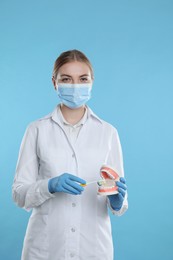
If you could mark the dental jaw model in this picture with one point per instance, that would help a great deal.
(109, 177)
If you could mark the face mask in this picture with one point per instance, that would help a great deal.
(74, 95)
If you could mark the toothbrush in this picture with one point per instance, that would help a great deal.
(99, 182)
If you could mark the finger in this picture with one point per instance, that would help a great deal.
(75, 178)
(123, 180)
(70, 188)
(121, 185)
(66, 191)
(74, 185)
(118, 196)
(63, 190)
(122, 192)
(121, 198)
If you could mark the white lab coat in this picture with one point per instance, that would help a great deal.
(64, 226)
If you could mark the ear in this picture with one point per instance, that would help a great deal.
(54, 83)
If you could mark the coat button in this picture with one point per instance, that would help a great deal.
(72, 254)
(73, 229)
(73, 204)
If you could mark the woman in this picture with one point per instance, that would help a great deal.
(58, 154)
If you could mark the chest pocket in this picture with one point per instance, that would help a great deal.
(53, 156)
(53, 163)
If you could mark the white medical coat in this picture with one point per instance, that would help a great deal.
(64, 226)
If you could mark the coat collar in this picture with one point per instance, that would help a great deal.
(55, 116)
(91, 113)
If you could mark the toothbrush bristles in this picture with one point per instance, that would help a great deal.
(100, 182)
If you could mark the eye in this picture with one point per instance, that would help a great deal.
(65, 79)
(84, 79)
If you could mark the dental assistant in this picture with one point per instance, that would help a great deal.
(59, 152)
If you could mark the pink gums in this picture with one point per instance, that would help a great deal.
(106, 189)
(104, 174)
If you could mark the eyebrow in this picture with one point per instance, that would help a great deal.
(70, 76)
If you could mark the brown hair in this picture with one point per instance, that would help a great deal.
(69, 56)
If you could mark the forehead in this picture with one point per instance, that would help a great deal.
(74, 68)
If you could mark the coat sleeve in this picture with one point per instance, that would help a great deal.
(27, 190)
(115, 159)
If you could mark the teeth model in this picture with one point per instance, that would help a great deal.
(109, 176)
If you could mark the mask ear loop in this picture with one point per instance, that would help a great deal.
(57, 86)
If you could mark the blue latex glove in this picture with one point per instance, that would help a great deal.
(116, 200)
(66, 183)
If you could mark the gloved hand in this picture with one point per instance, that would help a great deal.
(116, 200)
(66, 183)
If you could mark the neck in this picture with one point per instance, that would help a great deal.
(72, 116)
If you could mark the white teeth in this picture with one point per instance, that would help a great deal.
(107, 188)
(109, 183)
(110, 175)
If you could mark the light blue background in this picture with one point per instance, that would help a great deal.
(130, 44)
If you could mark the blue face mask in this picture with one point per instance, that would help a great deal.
(74, 95)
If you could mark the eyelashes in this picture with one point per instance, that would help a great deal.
(68, 79)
